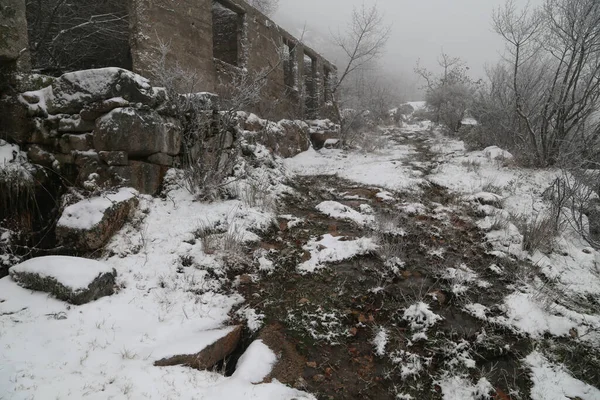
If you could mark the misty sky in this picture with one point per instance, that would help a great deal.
(420, 28)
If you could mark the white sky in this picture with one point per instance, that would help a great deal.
(420, 28)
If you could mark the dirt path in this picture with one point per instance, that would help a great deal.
(328, 319)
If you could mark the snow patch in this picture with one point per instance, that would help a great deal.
(332, 249)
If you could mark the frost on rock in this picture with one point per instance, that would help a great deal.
(72, 279)
(495, 152)
(420, 316)
(332, 249)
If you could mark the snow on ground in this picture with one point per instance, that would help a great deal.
(331, 249)
(339, 211)
(256, 363)
(105, 349)
(385, 169)
(553, 382)
(509, 193)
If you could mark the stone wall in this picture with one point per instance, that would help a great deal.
(101, 127)
(288, 83)
(185, 26)
(109, 127)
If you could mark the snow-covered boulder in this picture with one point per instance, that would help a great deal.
(72, 91)
(486, 198)
(88, 224)
(137, 132)
(72, 279)
(495, 153)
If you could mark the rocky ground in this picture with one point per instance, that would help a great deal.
(351, 321)
(396, 273)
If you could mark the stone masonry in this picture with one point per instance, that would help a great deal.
(217, 40)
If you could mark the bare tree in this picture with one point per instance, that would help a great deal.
(267, 7)
(554, 52)
(362, 42)
(67, 35)
(450, 93)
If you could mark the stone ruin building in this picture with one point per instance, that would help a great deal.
(82, 111)
(213, 39)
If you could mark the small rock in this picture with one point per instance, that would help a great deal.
(37, 155)
(439, 296)
(303, 300)
(75, 124)
(311, 364)
(318, 378)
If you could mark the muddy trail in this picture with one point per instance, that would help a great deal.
(324, 323)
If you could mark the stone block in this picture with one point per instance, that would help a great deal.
(161, 159)
(90, 223)
(72, 279)
(71, 92)
(69, 143)
(93, 111)
(114, 158)
(145, 177)
(39, 156)
(137, 132)
(75, 124)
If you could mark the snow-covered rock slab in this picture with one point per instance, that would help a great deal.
(72, 279)
(201, 351)
(90, 223)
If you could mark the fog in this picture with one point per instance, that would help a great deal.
(421, 29)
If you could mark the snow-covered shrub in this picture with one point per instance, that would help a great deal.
(539, 232)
